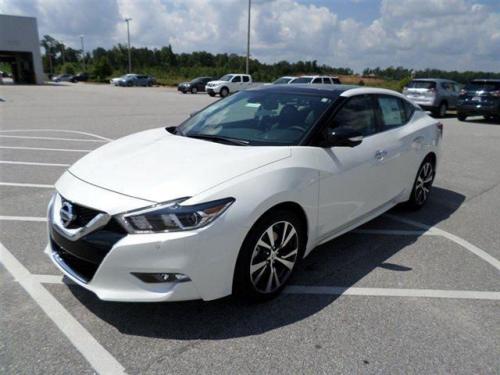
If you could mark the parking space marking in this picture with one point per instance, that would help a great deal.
(22, 218)
(391, 292)
(33, 163)
(20, 184)
(460, 241)
(51, 279)
(396, 232)
(98, 357)
(42, 149)
(57, 130)
(52, 138)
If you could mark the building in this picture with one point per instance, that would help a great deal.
(20, 47)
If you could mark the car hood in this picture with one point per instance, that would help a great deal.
(157, 166)
(216, 83)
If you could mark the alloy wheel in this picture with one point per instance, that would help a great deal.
(424, 183)
(274, 257)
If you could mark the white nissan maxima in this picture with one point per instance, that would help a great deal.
(232, 199)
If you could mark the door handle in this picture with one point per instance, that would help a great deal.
(380, 155)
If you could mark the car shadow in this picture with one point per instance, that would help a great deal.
(481, 120)
(342, 262)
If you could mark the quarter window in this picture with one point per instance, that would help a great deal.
(392, 110)
(357, 114)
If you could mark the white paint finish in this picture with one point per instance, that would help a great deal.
(42, 149)
(460, 241)
(22, 218)
(53, 138)
(57, 130)
(33, 163)
(20, 184)
(97, 356)
(391, 292)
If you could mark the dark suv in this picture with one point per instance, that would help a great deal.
(480, 97)
(197, 84)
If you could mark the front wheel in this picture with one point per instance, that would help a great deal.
(461, 117)
(269, 255)
(422, 185)
(211, 93)
(224, 92)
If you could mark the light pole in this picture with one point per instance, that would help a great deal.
(248, 37)
(83, 52)
(127, 20)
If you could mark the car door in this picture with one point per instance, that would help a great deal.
(352, 180)
(236, 83)
(246, 81)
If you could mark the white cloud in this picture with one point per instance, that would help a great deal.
(448, 34)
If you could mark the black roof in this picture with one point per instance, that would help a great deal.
(324, 90)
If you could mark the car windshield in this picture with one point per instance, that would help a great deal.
(422, 85)
(283, 80)
(482, 86)
(227, 77)
(302, 80)
(258, 118)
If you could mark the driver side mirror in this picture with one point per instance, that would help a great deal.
(343, 137)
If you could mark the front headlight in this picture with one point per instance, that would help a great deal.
(171, 216)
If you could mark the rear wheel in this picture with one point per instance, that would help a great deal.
(269, 255)
(224, 92)
(422, 185)
(441, 111)
(194, 90)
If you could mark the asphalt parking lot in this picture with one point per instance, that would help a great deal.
(409, 292)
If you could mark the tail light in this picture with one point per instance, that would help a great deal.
(440, 128)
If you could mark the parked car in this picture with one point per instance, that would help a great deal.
(133, 80)
(317, 80)
(240, 200)
(228, 84)
(284, 80)
(195, 85)
(480, 97)
(80, 77)
(63, 78)
(433, 94)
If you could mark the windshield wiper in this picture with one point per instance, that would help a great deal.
(219, 138)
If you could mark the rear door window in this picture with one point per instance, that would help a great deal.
(392, 112)
(316, 80)
(246, 79)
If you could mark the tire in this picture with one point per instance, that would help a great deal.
(184, 91)
(441, 111)
(263, 268)
(212, 94)
(461, 116)
(194, 90)
(224, 92)
(423, 185)
(489, 118)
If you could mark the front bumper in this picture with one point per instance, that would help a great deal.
(211, 91)
(207, 256)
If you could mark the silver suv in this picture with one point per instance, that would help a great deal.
(433, 94)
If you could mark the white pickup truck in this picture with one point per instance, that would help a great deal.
(229, 84)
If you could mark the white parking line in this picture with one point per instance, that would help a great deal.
(33, 163)
(97, 356)
(57, 130)
(42, 149)
(396, 232)
(50, 279)
(22, 218)
(20, 184)
(390, 292)
(460, 241)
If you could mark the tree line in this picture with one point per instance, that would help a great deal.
(170, 68)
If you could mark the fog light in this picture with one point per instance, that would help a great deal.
(161, 277)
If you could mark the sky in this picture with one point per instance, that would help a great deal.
(418, 34)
